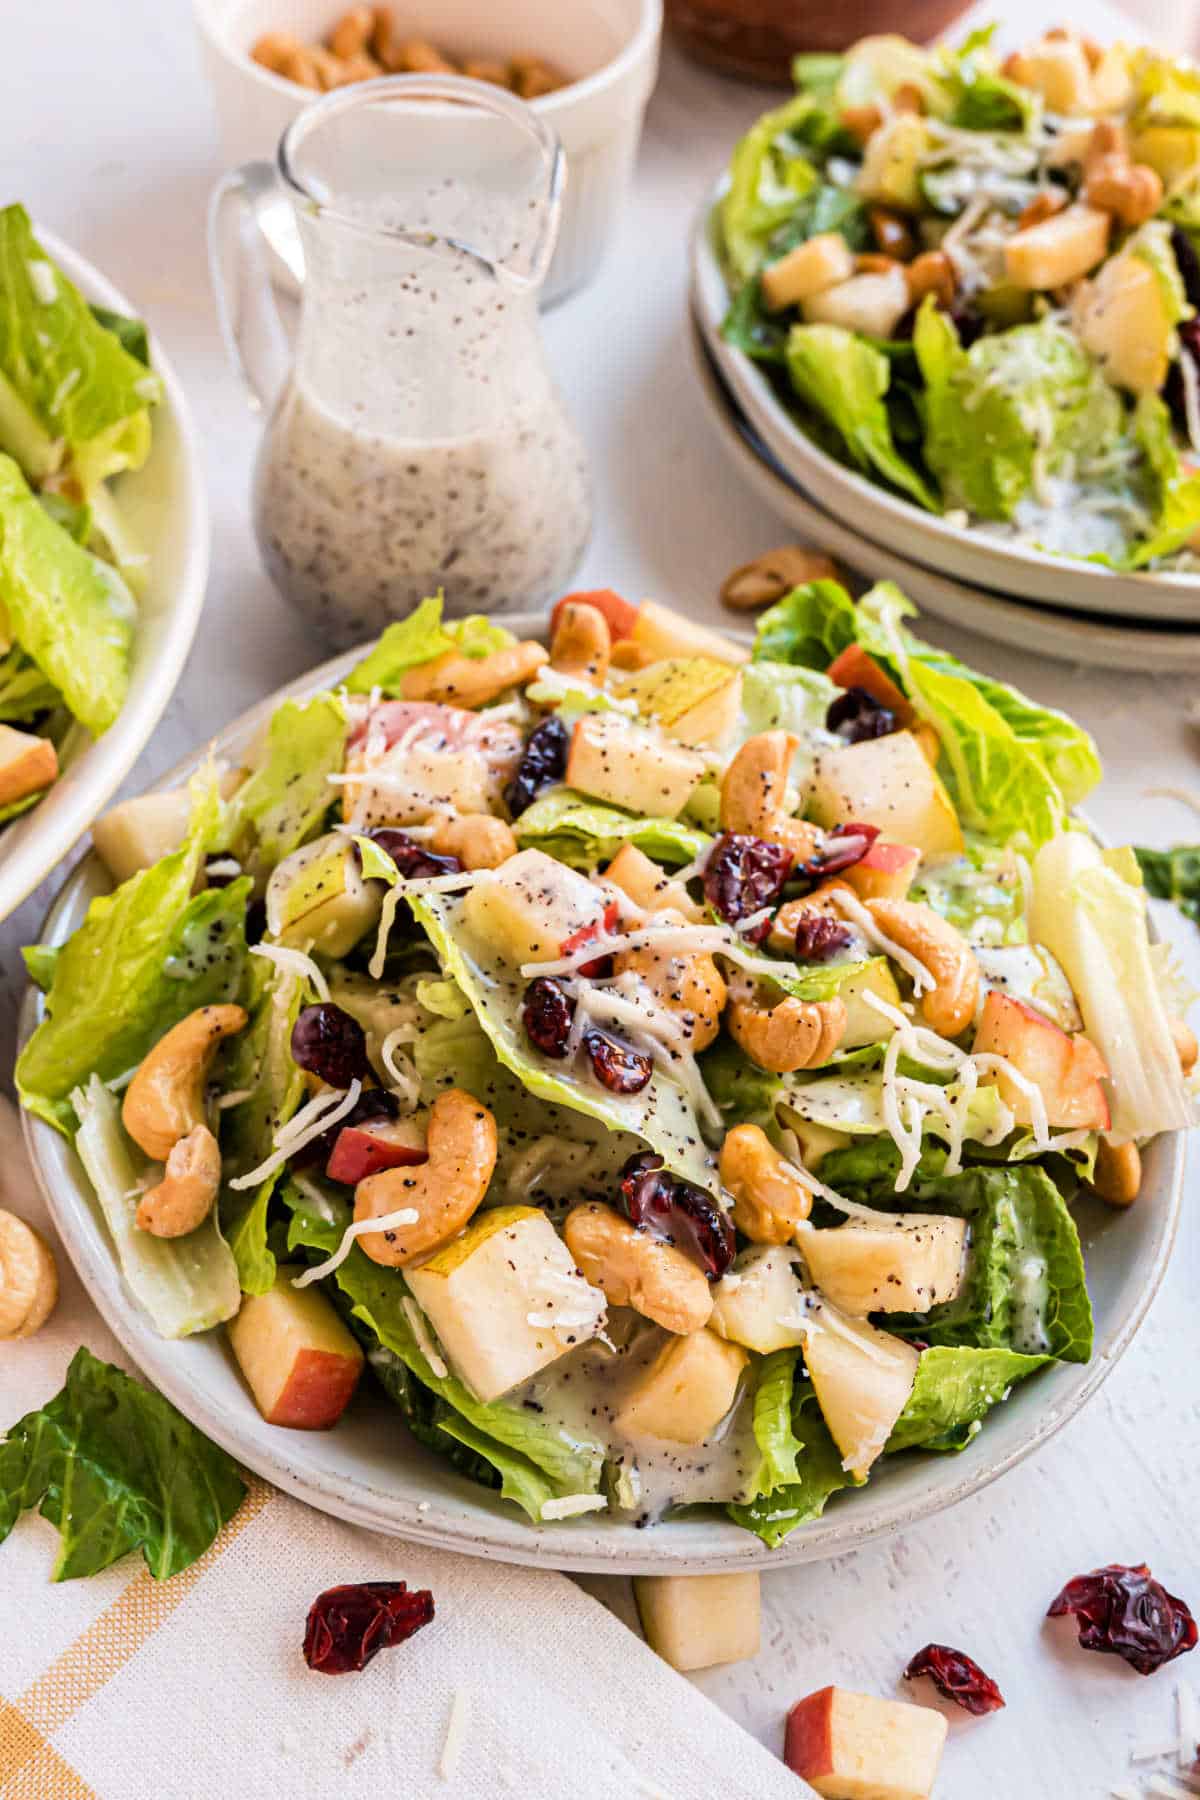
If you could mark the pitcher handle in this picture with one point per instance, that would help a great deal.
(252, 331)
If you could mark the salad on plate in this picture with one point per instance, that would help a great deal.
(670, 1067)
(76, 395)
(975, 281)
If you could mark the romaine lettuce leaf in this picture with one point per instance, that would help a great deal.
(1015, 396)
(584, 832)
(809, 627)
(130, 333)
(777, 1443)
(981, 98)
(68, 389)
(116, 1468)
(145, 956)
(844, 379)
(819, 1473)
(745, 1094)
(981, 893)
(784, 697)
(185, 1284)
(1174, 493)
(1173, 875)
(69, 612)
(418, 639)
(661, 1115)
(283, 802)
(955, 1387)
(854, 1103)
(770, 172)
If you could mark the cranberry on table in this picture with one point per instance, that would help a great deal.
(1122, 1611)
(615, 1066)
(743, 875)
(679, 1212)
(328, 1043)
(547, 1014)
(543, 762)
(347, 1626)
(958, 1677)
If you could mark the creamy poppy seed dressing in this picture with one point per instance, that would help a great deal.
(420, 443)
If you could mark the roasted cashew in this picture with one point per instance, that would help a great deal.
(582, 642)
(783, 926)
(648, 885)
(473, 680)
(753, 791)
(686, 984)
(635, 1269)
(932, 273)
(1113, 182)
(444, 1192)
(184, 1197)
(950, 1005)
(769, 1199)
(1118, 1175)
(351, 33)
(477, 839)
(165, 1099)
(28, 1278)
(1186, 1047)
(793, 1034)
(773, 574)
(629, 655)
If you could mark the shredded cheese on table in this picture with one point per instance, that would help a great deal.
(310, 1122)
(294, 962)
(456, 1730)
(393, 1221)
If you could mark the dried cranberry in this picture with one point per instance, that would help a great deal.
(615, 1066)
(413, 861)
(1124, 1612)
(743, 875)
(331, 1045)
(219, 871)
(547, 1015)
(372, 1103)
(543, 762)
(349, 1625)
(679, 1212)
(1175, 387)
(844, 846)
(1188, 263)
(256, 921)
(957, 1676)
(856, 715)
(818, 937)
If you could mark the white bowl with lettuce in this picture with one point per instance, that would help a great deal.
(500, 1462)
(1039, 439)
(103, 546)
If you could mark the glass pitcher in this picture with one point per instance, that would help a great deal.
(415, 440)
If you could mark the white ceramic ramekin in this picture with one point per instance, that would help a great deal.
(609, 46)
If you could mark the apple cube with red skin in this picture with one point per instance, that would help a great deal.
(1068, 1071)
(620, 615)
(855, 667)
(856, 1747)
(885, 873)
(300, 1362)
(362, 1150)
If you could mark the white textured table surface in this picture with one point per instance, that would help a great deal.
(107, 137)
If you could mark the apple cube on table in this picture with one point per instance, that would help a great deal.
(697, 1621)
(856, 1747)
(300, 1362)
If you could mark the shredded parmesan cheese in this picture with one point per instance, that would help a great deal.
(416, 1319)
(393, 1221)
(852, 908)
(572, 1504)
(294, 962)
(316, 1117)
(456, 1730)
(387, 918)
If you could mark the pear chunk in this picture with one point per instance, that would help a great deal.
(907, 1262)
(862, 1377)
(687, 1390)
(886, 782)
(532, 906)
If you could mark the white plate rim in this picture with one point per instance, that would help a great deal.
(1009, 570)
(459, 1519)
(34, 845)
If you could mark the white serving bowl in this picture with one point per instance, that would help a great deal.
(167, 509)
(901, 525)
(370, 1472)
(610, 47)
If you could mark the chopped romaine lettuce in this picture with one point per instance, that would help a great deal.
(116, 1468)
(777, 1443)
(770, 171)
(418, 639)
(68, 389)
(584, 832)
(1173, 875)
(981, 893)
(1089, 910)
(131, 334)
(145, 956)
(809, 627)
(956, 1386)
(70, 613)
(785, 697)
(24, 690)
(283, 802)
(185, 1284)
(819, 1473)
(1174, 493)
(854, 1103)
(845, 379)
(981, 98)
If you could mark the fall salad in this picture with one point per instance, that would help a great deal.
(76, 393)
(669, 1066)
(975, 281)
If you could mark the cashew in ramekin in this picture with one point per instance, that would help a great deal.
(443, 1192)
(949, 1006)
(582, 642)
(753, 794)
(1118, 1174)
(479, 840)
(793, 1034)
(165, 1099)
(686, 984)
(473, 680)
(638, 1270)
(185, 1196)
(769, 1199)
(28, 1278)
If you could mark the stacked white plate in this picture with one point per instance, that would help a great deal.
(1051, 604)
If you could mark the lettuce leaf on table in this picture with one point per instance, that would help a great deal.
(583, 832)
(116, 1469)
(69, 390)
(71, 614)
(144, 957)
